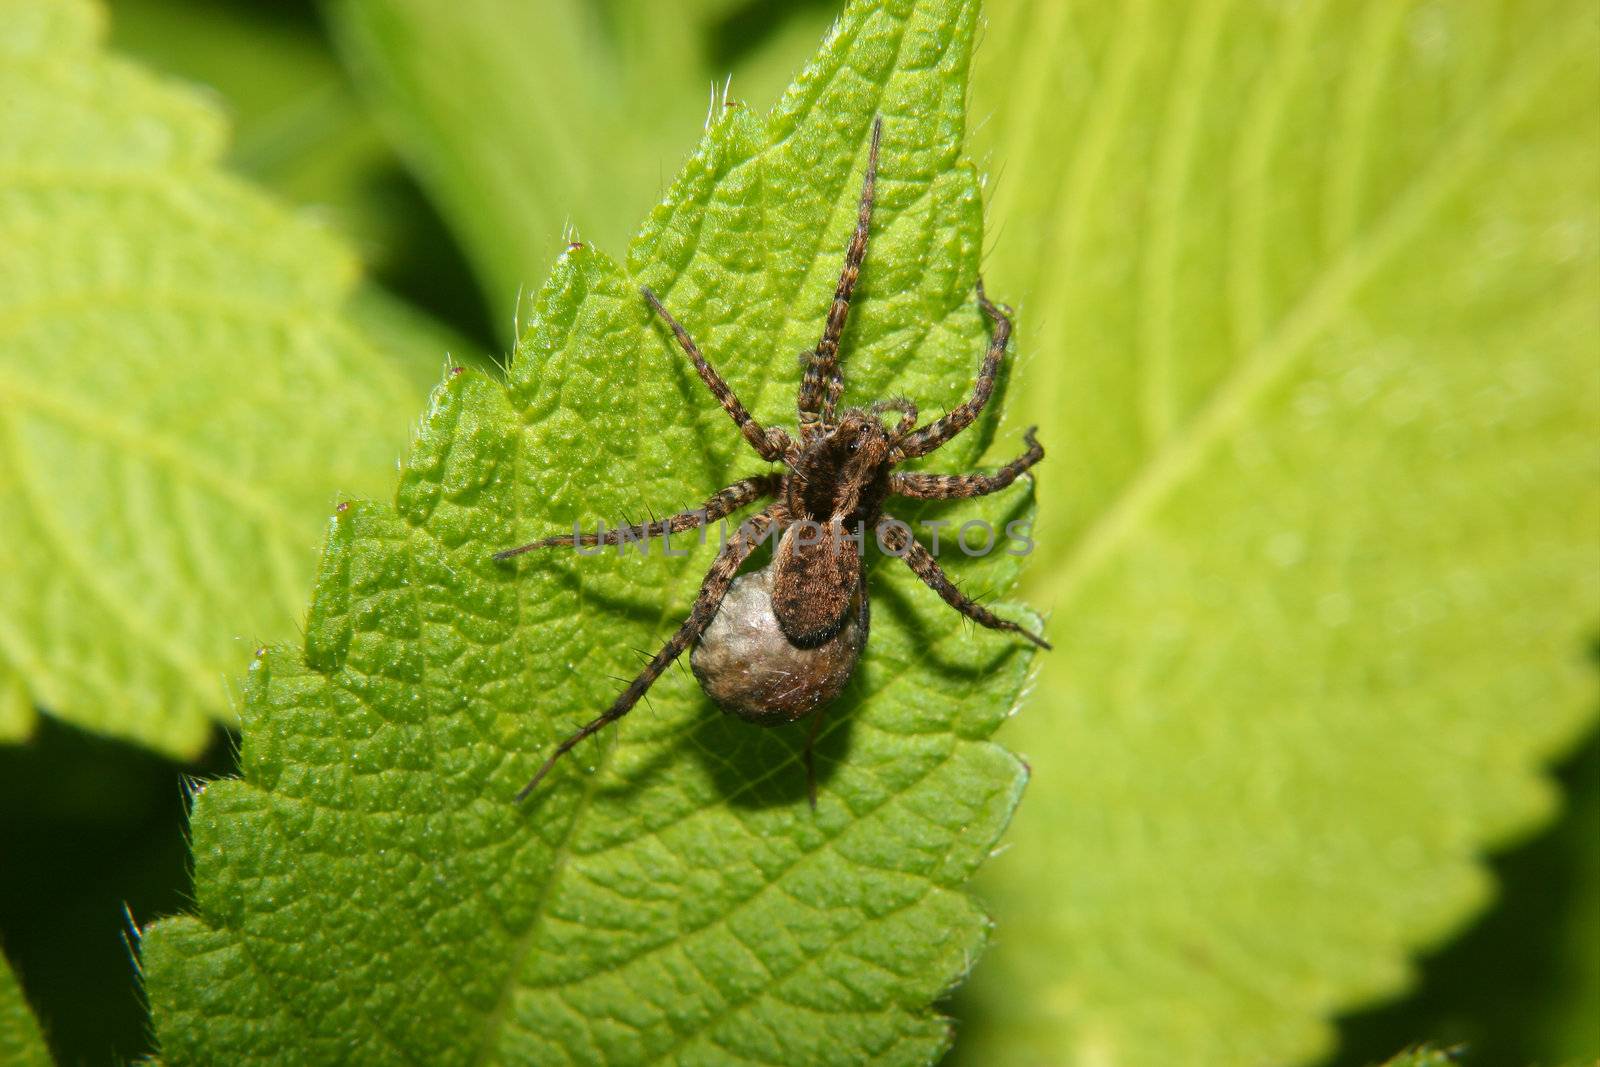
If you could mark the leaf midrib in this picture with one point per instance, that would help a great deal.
(1277, 351)
(161, 453)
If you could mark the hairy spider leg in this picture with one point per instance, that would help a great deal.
(893, 534)
(908, 415)
(936, 433)
(720, 504)
(773, 445)
(922, 486)
(823, 384)
(712, 590)
(808, 755)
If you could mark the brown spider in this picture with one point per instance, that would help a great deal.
(837, 477)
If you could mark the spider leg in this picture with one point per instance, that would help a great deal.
(823, 384)
(936, 433)
(892, 533)
(864, 621)
(712, 590)
(959, 486)
(722, 503)
(809, 759)
(772, 445)
(908, 415)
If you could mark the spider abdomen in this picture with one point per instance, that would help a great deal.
(744, 662)
(812, 586)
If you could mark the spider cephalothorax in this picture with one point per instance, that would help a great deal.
(793, 631)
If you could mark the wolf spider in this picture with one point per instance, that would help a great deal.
(837, 476)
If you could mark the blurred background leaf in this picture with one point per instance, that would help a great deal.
(529, 122)
(298, 127)
(1428, 1055)
(17, 713)
(161, 472)
(21, 1043)
(92, 843)
(1524, 985)
(1311, 296)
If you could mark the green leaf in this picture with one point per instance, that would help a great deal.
(21, 1041)
(1565, 1027)
(181, 393)
(300, 129)
(1521, 985)
(518, 151)
(297, 124)
(367, 892)
(1311, 290)
(17, 713)
(1423, 1056)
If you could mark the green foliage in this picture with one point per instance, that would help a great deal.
(167, 331)
(298, 127)
(367, 892)
(527, 119)
(92, 832)
(1307, 319)
(21, 1044)
(1312, 293)
(17, 714)
(1423, 1056)
(1307, 302)
(1566, 1018)
(1521, 987)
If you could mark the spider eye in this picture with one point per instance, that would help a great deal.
(855, 445)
